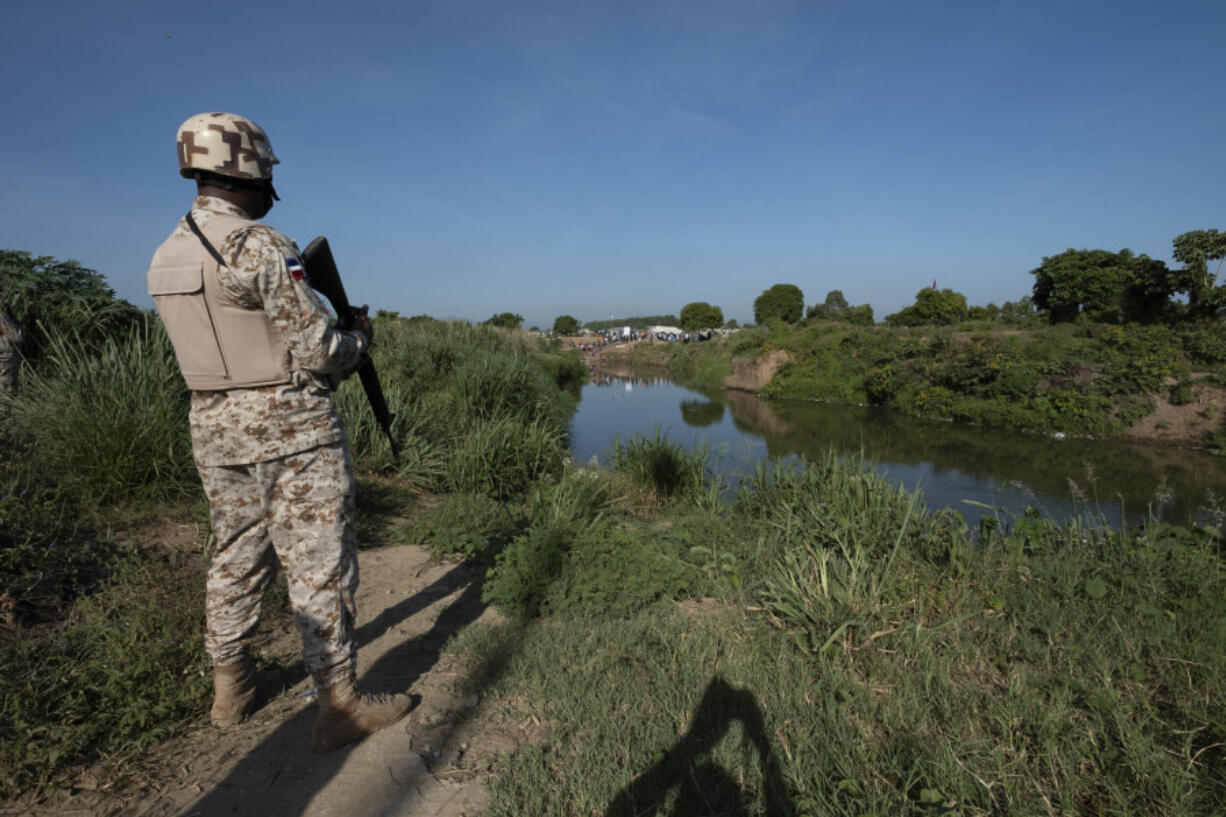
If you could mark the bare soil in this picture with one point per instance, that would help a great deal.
(1186, 425)
(432, 763)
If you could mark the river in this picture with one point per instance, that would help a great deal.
(961, 467)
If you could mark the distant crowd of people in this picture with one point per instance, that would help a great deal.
(608, 337)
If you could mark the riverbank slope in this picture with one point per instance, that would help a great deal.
(1159, 384)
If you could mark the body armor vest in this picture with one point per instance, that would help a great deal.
(219, 344)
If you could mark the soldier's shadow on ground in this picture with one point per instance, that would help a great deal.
(701, 787)
(281, 776)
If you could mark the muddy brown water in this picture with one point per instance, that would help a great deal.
(961, 467)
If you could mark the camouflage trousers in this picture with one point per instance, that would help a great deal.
(298, 509)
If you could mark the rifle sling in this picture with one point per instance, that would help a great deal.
(191, 222)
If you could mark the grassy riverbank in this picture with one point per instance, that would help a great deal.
(821, 644)
(816, 642)
(100, 650)
(1076, 379)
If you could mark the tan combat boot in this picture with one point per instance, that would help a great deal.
(234, 695)
(346, 716)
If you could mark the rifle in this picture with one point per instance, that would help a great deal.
(323, 276)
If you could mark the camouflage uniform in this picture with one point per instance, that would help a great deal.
(10, 353)
(275, 465)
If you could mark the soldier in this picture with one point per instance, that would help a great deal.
(10, 351)
(256, 347)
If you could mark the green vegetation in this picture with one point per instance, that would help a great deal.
(700, 315)
(47, 295)
(505, 320)
(836, 308)
(932, 307)
(101, 654)
(782, 302)
(842, 650)
(565, 325)
(1195, 249)
(1079, 379)
(811, 641)
(1105, 287)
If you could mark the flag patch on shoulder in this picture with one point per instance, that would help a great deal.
(295, 268)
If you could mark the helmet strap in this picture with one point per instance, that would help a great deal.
(229, 183)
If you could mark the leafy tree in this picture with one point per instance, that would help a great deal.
(782, 301)
(507, 320)
(1104, 286)
(1018, 312)
(1195, 249)
(932, 307)
(836, 308)
(700, 315)
(44, 294)
(387, 315)
(861, 315)
(731, 324)
(984, 313)
(565, 325)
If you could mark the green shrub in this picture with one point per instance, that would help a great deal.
(51, 298)
(882, 383)
(606, 572)
(469, 525)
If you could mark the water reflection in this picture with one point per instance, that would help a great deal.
(953, 463)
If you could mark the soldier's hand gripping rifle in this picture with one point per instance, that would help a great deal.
(322, 274)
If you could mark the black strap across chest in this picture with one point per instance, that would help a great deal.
(191, 222)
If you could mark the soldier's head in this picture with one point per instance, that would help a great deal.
(230, 157)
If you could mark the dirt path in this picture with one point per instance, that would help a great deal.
(433, 764)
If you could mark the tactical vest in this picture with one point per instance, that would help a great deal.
(219, 344)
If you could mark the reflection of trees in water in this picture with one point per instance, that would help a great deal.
(702, 787)
(1105, 472)
(701, 413)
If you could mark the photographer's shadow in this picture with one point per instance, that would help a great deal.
(702, 787)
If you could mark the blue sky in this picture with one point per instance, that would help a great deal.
(466, 158)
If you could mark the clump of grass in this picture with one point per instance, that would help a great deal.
(506, 455)
(665, 470)
(463, 524)
(106, 422)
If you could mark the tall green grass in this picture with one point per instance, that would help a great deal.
(108, 421)
(474, 409)
(664, 469)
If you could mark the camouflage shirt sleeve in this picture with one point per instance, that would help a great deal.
(257, 278)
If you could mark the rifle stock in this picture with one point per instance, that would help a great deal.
(323, 275)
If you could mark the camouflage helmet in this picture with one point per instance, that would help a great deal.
(225, 144)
